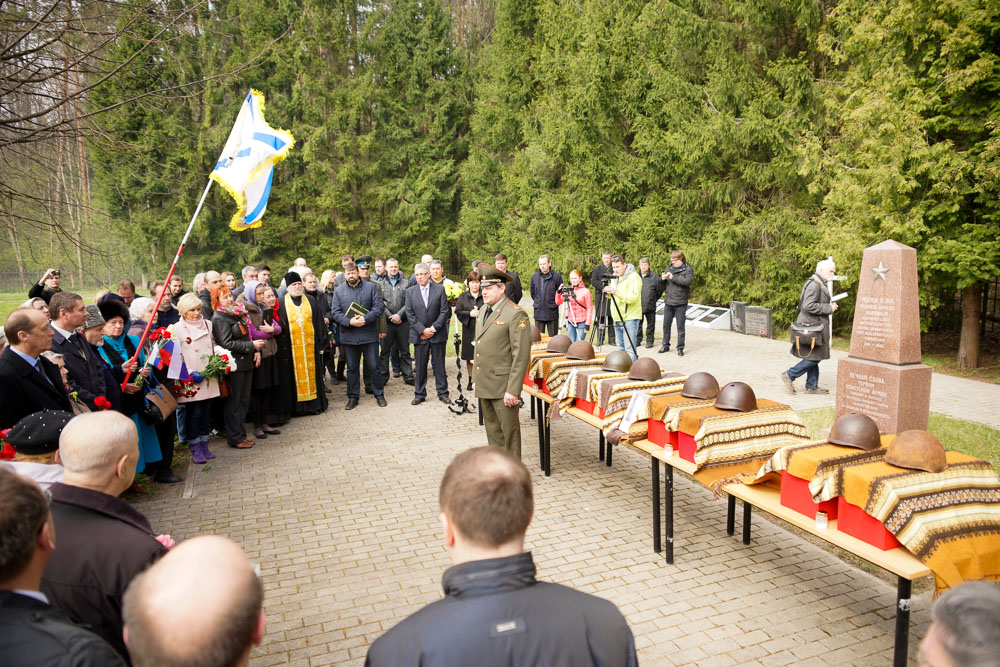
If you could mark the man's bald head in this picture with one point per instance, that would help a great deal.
(201, 605)
(213, 279)
(486, 495)
(100, 450)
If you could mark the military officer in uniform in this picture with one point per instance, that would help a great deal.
(503, 344)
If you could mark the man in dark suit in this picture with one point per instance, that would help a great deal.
(28, 382)
(86, 376)
(32, 631)
(427, 312)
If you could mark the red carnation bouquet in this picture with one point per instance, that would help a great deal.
(6, 451)
(219, 364)
(102, 403)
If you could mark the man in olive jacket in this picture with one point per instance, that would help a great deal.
(503, 349)
(495, 612)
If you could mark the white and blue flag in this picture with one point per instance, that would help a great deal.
(246, 166)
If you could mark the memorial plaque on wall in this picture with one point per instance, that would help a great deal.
(883, 377)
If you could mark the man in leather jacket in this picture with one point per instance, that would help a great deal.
(494, 611)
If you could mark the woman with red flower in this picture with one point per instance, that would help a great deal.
(194, 341)
(232, 331)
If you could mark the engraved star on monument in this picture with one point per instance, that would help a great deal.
(880, 272)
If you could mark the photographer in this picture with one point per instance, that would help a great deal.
(579, 306)
(599, 279)
(626, 306)
(47, 286)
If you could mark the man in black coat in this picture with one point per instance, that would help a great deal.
(394, 286)
(427, 311)
(494, 611)
(652, 288)
(543, 287)
(32, 631)
(28, 382)
(103, 541)
(601, 305)
(47, 286)
(86, 370)
(514, 290)
(677, 281)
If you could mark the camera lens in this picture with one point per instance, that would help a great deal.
(56, 272)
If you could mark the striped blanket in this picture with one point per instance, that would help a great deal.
(671, 417)
(949, 520)
(535, 363)
(557, 373)
(620, 397)
(588, 383)
(658, 405)
(737, 443)
(819, 462)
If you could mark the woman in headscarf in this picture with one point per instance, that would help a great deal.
(232, 331)
(117, 350)
(283, 393)
(265, 375)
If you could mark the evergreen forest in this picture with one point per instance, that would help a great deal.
(758, 136)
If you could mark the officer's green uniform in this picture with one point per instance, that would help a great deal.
(503, 346)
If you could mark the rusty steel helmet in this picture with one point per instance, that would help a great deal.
(855, 430)
(558, 343)
(581, 350)
(536, 335)
(736, 396)
(917, 450)
(700, 385)
(617, 362)
(644, 368)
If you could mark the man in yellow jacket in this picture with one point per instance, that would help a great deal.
(626, 304)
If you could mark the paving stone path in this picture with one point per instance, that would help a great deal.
(340, 511)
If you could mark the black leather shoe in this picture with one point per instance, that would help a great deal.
(680, 353)
(166, 477)
(444, 399)
(409, 382)
(381, 401)
(417, 401)
(351, 404)
(649, 343)
(663, 348)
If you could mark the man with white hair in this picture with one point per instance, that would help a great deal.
(199, 606)
(248, 273)
(965, 631)
(815, 308)
(103, 541)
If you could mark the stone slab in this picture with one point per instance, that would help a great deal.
(897, 397)
(887, 316)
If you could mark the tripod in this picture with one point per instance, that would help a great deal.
(606, 302)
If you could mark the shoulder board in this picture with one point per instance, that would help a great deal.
(514, 305)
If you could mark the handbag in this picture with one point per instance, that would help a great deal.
(225, 390)
(805, 337)
(157, 406)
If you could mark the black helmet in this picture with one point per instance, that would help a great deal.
(617, 362)
(581, 350)
(559, 343)
(701, 385)
(736, 396)
(855, 430)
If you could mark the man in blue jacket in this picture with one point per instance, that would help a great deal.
(428, 312)
(544, 284)
(494, 611)
(358, 333)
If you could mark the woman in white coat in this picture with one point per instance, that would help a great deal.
(193, 338)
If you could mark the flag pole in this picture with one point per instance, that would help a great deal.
(166, 287)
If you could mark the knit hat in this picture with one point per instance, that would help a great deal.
(38, 433)
(94, 317)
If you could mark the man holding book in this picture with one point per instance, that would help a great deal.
(356, 307)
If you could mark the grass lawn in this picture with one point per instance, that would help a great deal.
(939, 350)
(969, 438)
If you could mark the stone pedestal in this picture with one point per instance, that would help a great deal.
(897, 397)
(883, 377)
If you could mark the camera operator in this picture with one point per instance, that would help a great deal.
(626, 306)
(599, 279)
(579, 306)
(47, 286)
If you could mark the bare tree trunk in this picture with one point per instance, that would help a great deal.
(16, 243)
(968, 344)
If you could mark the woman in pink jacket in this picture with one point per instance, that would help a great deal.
(193, 333)
(579, 306)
